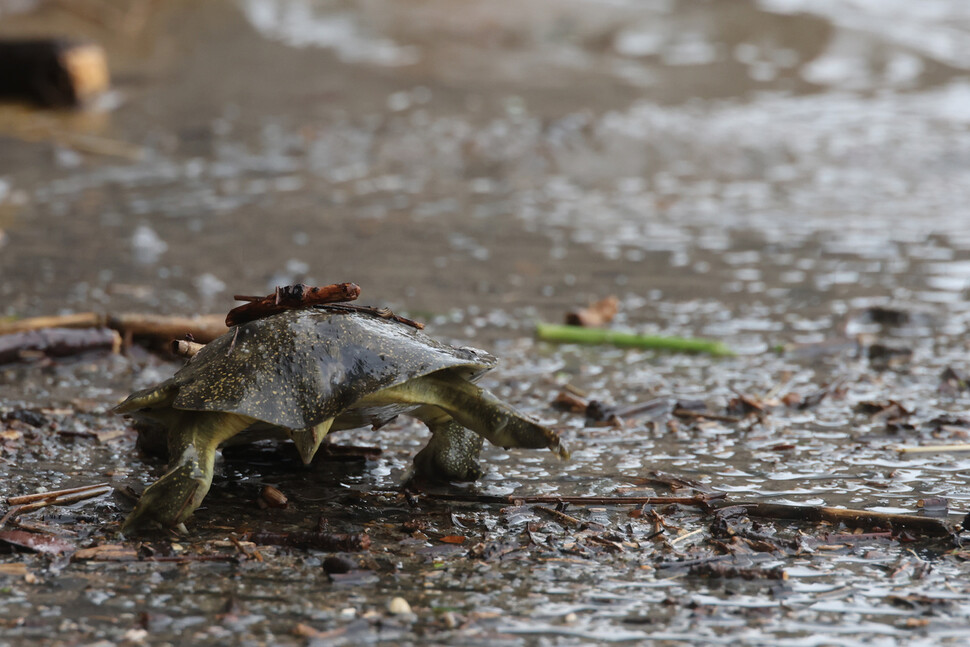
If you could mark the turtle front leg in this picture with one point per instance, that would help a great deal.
(478, 410)
(193, 440)
(452, 452)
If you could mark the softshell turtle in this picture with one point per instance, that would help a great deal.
(307, 372)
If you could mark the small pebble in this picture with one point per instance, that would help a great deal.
(570, 618)
(399, 607)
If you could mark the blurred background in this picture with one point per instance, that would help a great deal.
(768, 173)
(739, 169)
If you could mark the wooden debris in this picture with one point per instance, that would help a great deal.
(743, 405)
(107, 553)
(383, 313)
(17, 569)
(76, 320)
(303, 630)
(688, 535)
(56, 342)
(202, 328)
(162, 328)
(52, 72)
(930, 526)
(561, 517)
(888, 410)
(186, 348)
(36, 542)
(933, 449)
(31, 502)
(596, 314)
(701, 501)
(89, 490)
(673, 482)
(567, 400)
(246, 549)
(290, 297)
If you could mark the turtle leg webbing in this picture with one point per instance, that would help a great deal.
(193, 441)
(452, 452)
(478, 410)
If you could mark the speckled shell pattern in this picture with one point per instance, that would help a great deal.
(300, 367)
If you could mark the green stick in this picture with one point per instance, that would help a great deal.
(579, 335)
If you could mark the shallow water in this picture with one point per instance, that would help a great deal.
(764, 173)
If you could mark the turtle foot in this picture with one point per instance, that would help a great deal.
(450, 455)
(172, 499)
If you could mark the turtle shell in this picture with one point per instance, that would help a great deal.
(300, 367)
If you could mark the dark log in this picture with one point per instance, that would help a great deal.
(56, 342)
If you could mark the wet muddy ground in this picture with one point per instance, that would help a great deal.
(788, 177)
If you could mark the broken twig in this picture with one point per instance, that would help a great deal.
(852, 518)
(383, 313)
(290, 297)
(702, 501)
(55, 494)
(31, 502)
(931, 449)
(186, 348)
(203, 328)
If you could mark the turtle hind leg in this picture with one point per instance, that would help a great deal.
(479, 410)
(452, 452)
(193, 441)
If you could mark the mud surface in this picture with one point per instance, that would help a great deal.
(774, 174)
